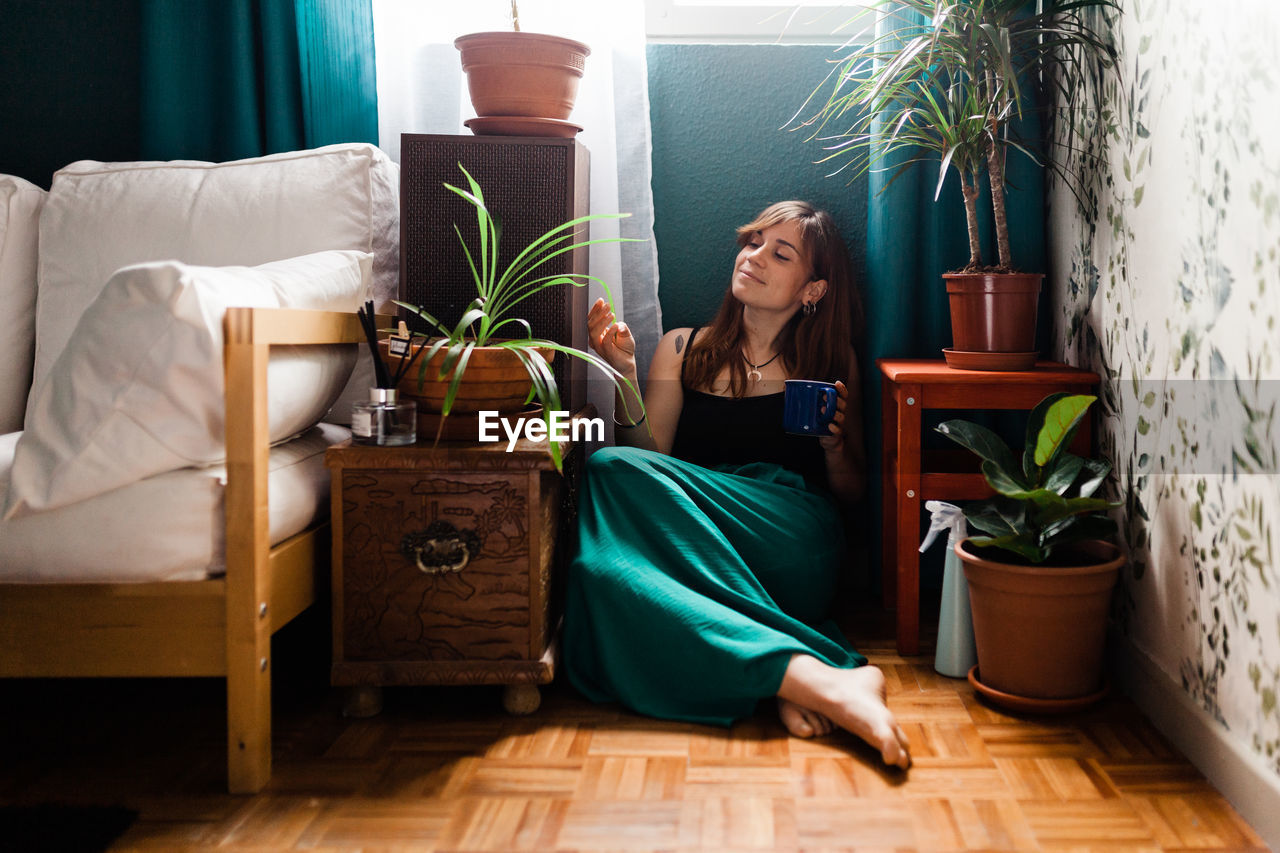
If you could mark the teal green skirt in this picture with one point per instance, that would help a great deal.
(692, 588)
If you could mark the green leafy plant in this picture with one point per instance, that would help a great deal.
(490, 320)
(944, 84)
(1046, 498)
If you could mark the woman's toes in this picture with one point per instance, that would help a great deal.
(894, 748)
(795, 719)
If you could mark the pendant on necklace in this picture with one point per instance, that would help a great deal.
(754, 373)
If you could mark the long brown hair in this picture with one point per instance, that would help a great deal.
(815, 346)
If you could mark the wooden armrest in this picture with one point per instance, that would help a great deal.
(249, 334)
(277, 326)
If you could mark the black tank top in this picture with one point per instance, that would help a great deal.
(715, 430)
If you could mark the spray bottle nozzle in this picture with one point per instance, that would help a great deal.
(944, 516)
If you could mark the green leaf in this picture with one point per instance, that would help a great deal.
(430, 353)
(1035, 423)
(1063, 473)
(463, 355)
(996, 516)
(1053, 508)
(1031, 552)
(986, 444)
(1081, 529)
(545, 389)
(1061, 420)
(1002, 482)
(1096, 471)
(422, 312)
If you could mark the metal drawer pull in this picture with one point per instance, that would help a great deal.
(440, 548)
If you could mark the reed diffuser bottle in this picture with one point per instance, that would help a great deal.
(385, 420)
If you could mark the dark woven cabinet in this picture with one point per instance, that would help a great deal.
(531, 185)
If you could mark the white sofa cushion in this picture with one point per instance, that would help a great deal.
(20, 205)
(138, 390)
(100, 217)
(118, 537)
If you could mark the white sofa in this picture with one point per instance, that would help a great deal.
(161, 307)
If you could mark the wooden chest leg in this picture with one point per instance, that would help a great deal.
(521, 699)
(361, 701)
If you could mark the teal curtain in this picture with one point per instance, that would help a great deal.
(226, 79)
(911, 240)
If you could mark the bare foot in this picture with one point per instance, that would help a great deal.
(802, 722)
(853, 699)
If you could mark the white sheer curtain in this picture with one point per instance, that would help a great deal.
(421, 89)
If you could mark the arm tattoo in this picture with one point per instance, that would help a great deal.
(679, 343)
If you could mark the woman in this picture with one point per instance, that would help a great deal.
(709, 545)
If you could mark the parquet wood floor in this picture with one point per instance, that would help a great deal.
(445, 770)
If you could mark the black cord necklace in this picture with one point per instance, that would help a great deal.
(754, 373)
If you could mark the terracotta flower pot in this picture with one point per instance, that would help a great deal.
(494, 380)
(522, 74)
(993, 312)
(1040, 630)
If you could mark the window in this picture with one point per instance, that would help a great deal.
(759, 21)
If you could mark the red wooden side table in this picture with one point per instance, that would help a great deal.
(912, 475)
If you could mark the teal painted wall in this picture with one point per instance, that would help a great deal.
(719, 157)
(69, 84)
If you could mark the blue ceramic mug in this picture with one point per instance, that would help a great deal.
(809, 407)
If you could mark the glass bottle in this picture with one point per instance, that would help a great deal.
(384, 420)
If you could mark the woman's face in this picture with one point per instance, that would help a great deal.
(772, 271)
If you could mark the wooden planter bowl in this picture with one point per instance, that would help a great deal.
(522, 74)
(1040, 631)
(494, 380)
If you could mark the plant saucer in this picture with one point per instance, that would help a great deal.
(967, 360)
(1029, 705)
(522, 126)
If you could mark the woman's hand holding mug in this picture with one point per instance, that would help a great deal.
(816, 409)
(834, 441)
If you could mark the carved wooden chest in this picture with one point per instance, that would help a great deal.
(445, 563)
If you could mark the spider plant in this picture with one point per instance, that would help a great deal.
(943, 81)
(490, 319)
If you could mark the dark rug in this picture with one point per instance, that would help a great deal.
(50, 828)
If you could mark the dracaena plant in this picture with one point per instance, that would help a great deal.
(491, 318)
(1045, 498)
(944, 84)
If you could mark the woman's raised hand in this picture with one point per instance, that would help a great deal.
(833, 442)
(610, 339)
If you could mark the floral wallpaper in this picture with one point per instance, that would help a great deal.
(1167, 282)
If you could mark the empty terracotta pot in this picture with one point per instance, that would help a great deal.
(522, 74)
(993, 312)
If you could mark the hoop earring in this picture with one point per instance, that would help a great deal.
(809, 308)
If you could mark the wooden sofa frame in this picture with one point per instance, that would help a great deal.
(217, 627)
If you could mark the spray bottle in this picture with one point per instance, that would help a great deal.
(955, 653)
